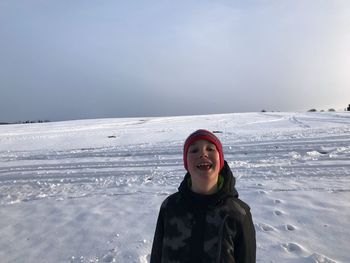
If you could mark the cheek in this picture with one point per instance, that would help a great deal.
(190, 159)
(216, 157)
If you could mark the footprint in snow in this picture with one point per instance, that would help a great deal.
(305, 254)
(277, 201)
(278, 212)
(290, 227)
(265, 227)
(294, 248)
(318, 258)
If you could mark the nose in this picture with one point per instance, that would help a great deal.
(203, 153)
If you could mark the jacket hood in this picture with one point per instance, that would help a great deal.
(228, 188)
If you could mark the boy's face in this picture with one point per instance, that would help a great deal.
(203, 163)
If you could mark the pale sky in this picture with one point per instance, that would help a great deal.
(63, 60)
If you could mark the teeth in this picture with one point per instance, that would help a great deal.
(204, 165)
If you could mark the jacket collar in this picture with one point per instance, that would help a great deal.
(227, 189)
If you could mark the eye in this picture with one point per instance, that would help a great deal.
(193, 150)
(211, 148)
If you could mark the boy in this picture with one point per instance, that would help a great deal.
(204, 221)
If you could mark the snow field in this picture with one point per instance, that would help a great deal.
(90, 190)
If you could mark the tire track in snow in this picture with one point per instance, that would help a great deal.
(325, 156)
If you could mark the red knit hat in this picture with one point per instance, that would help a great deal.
(203, 135)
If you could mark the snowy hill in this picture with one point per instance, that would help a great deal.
(90, 190)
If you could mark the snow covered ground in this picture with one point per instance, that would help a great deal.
(90, 190)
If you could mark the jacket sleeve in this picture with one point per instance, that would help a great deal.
(156, 254)
(245, 246)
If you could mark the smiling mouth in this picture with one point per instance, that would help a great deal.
(204, 166)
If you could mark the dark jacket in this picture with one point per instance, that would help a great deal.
(196, 228)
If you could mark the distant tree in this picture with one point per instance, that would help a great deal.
(263, 110)
(331, 109)
(348, 109)
(312, 110)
